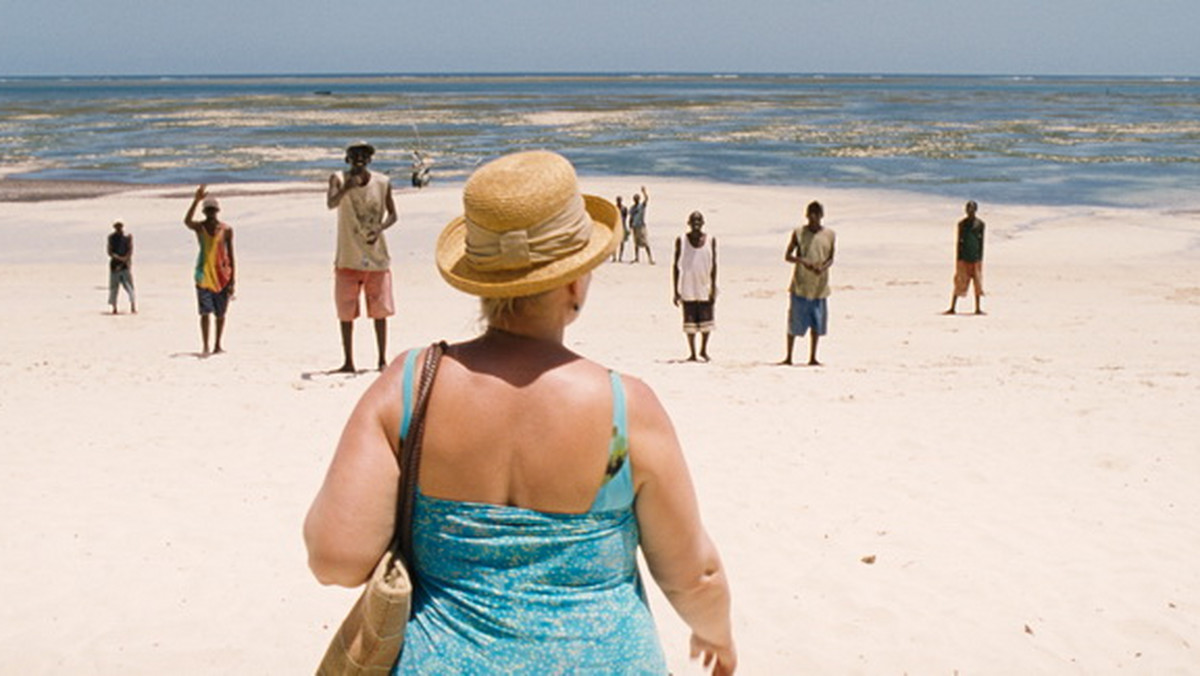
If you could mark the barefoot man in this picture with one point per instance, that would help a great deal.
(214, 265)
(968, 264)
(694, 275)
(811, 250)
(365, 209)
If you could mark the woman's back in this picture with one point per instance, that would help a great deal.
(510, 573)
(517, 422)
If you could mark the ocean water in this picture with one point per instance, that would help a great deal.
(1103, 141)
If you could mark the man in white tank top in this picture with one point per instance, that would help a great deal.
(695, 279)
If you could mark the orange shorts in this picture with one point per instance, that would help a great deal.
(964, 274)
(376, 285)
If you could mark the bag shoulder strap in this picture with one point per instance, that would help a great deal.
(407, 404)
(410, 451)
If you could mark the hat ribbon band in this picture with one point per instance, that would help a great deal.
(562, 235)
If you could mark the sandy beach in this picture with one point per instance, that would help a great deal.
(1006, 494)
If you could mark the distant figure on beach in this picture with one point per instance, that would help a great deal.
(619, 253)
(365, 209)
(968, 266)
(540, 472)
(811, 250)
(421, 170)
(637, 223)
(120, 260)
(215, 269)
(694, 276)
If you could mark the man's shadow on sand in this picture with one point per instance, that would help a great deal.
(334, 374)
(196, 355)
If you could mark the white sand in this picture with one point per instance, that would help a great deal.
(1026, 481)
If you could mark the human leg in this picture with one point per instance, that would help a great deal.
(953, 305)
(818, 320)
(977, 285)
(204, 302)
(220, 305)
(127, 282)
(217, 349)
(346, 288)
(377, 288)
(381, 342)
(112, 289)
(796, 325)
(962, 278)
(347, 329)
(704, 345)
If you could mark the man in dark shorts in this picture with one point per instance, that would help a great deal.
(214, 275)
(694, 275)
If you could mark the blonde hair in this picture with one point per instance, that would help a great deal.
(500, 310)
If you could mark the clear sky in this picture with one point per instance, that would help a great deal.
(1017, 37)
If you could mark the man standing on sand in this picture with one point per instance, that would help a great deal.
(365, 209)
(214, 274)
(811, 250)
(120, 258)
(968, 269)
(637, 223)
(620, 253)
(694, 275)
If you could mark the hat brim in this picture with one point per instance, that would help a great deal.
(459, 273)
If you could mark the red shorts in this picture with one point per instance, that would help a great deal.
(376, 285)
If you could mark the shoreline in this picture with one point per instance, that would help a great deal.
(25, 190)
(50, 190)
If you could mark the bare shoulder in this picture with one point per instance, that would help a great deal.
(647, 418)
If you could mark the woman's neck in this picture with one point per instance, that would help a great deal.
(525, 331)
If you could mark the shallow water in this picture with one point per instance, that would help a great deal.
(1120, 141)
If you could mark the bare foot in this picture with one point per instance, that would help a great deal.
(348, 367)
(785, 362)
(948, 312)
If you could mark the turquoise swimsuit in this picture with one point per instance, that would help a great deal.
(509, 590)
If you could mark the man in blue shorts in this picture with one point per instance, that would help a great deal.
(811, 251)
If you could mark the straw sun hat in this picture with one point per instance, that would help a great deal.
(525, 228)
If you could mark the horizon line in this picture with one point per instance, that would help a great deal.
(599, 74)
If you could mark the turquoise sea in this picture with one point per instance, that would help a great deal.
(1086, 140)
